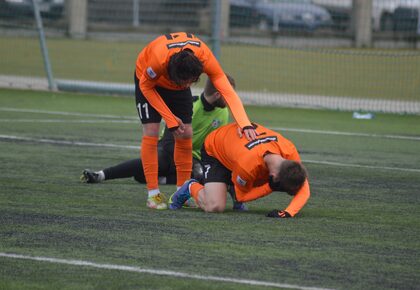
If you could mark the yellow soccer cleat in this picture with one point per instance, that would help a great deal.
(157, 201)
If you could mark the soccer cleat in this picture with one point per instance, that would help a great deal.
(89, 176)
(157, 201)
(190, 203)
(180, 196)
(239, 206)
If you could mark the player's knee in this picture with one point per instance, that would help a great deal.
(215, 207)
(151, 129)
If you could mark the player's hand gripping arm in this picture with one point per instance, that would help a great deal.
(148, 89)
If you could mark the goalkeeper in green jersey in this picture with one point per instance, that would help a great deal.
(209, 113)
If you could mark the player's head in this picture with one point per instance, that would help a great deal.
(213, 94)
(290, 178)
(184, 68)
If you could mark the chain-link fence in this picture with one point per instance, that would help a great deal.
(340, 54)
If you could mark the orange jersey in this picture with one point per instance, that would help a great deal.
(151, 70)
(246, 161)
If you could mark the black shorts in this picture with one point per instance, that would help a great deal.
(214, 171)
(179, 102)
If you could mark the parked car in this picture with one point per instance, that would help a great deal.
(19, 8)
(382, 11)
(278, 14)
(340, 12)
(386, 7)
(243, 14)
(403, 19)
(296, 14)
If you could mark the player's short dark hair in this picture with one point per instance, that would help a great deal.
(292, 175)
(184, 66)
(209, 88)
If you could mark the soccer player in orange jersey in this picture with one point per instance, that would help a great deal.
(255, 168)
(165, 70)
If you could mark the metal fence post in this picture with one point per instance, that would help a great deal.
(362, 11)
(78, 18)
(51, 83)
(216, 26)
(136, 10)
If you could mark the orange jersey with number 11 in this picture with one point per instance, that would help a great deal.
(151, 70)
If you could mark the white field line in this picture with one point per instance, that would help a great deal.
(310, 131)
(156, 272)
(61, 142)
(68, 121)
(361, 166)
(6, 109)
(75, 143)
(136, 120)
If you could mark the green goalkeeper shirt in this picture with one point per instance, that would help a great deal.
(205, 119)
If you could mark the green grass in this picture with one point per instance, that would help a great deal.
(359, 230)
(352, 73)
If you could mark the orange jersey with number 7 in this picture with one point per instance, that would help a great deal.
(151, 70)
(245, 159)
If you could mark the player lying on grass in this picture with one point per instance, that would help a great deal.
(209, 113)
(165, 70)
(255, 169)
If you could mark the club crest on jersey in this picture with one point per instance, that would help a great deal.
(151, 72)
(216, 123)
(240, 181)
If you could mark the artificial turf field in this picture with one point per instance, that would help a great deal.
(359, 230)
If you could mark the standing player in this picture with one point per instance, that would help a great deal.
(165, 70)
(255, 168)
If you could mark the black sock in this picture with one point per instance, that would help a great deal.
(171, 179)
(125, 169)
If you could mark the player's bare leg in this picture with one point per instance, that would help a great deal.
(212, 198)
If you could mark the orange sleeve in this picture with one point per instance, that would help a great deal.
(299, 200)
(233, 101)
(148, 89)
(253, 194)
(245, 191)
(215, 72)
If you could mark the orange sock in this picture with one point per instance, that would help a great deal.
(195, 189)
(149, 159)
(183, 160)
